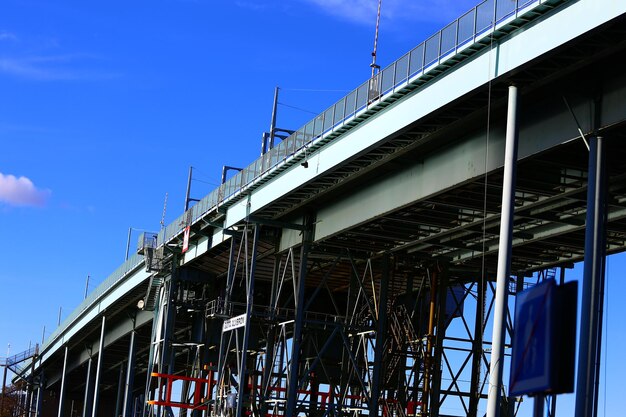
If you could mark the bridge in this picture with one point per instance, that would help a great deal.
(365, 263)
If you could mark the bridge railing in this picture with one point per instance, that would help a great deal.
(456, 36)
(133, 262)
(449, 41)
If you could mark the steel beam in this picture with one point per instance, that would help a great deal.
(593, 283)
(504, 258)
(96, 385)
(246, 333)
(62, 390)
(39, 398)
(292, 387)
(130, 378)
(119, 398)
(4, 385)
(88, 399)
(442, 295)
(381, 333)
(477, 348)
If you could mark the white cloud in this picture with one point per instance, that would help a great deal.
(364, 11)
(7, 36)
(52, 68)
(21, 192)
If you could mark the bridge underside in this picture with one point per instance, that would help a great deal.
(372, 310)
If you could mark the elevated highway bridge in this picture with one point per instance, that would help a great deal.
(353, 268)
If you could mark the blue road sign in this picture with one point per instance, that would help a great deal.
(531, 368)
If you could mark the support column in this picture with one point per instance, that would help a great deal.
(62, 390)
(88, 400)
(477, 349)
(130, 378)
(119, 398)
(292, 385)
(167, 356)
(381, 334)
(442, 296)
(271, 334)
(428, 362)
(504, 258)
(4, 386)
(243, 380)
(223, 354)
(40, 390)
(29, 399)
(593, 283)
(96, 385)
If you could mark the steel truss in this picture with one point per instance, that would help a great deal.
(332, 332)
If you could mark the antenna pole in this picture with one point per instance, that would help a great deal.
(87, 283)
(188, 188)
(273, 123)
(164, 210)
(373, 65)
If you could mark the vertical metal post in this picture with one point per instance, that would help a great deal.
(271, 334)
(39, 398)
(88, 400)
(504, 258)
(428, 363)
(538, 405)
(188, 188)
(477, 349)
(264, 139)
(62, 390)
(96, 385)
(4, 385)
(130, 377)
(246, 333)
(442, 296)
(119, 400)
(593, 282)
(292, 385)
(381, 333)
(29, 400)
(273, 122)
(130, 230)
(221, 364)
(167, 358)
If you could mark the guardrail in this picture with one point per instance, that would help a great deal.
(464, 31)
(119, 274)
(477, 23)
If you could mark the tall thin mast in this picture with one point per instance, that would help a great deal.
(373, 65)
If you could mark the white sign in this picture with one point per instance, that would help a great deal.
(234, 323)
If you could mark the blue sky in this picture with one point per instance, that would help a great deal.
(105, 104)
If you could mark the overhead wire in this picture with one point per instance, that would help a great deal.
(485, 192)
